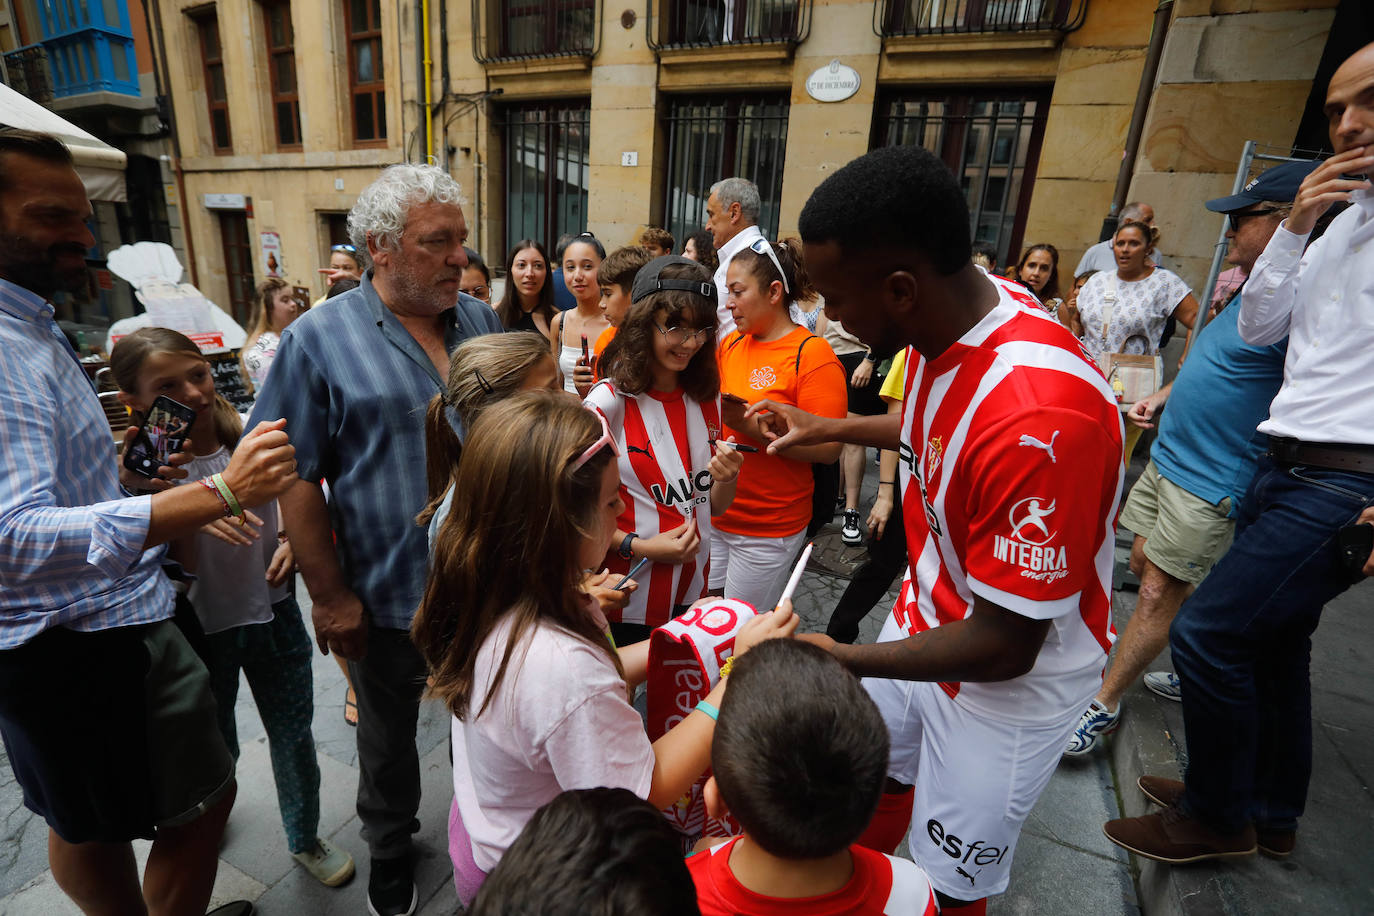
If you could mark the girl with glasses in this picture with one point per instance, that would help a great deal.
(520, 654)
(769, 356)
(660, 394)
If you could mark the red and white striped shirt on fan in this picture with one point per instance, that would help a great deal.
(1011, 472)
(664, 442)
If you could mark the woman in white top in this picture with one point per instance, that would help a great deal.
(1125, 310)
(520, 654)
(276, 308)
(241, 596)
(575, 330)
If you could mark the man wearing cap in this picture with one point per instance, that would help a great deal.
(1183, 508)
(1241, 643)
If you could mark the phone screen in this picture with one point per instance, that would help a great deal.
(162, 435)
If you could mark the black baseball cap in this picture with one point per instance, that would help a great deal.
(1279, 184)
(649, 279)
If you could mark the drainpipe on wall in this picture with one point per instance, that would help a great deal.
(1163, 15)
(163, 83)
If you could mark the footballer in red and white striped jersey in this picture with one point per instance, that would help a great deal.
(881, 885)
(1010, 467)
(665, 447)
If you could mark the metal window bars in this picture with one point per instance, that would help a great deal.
(547, 150)
(527, 29)
(952, 17)
(711, 23)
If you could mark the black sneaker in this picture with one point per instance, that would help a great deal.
(391, 887)
(851, 533)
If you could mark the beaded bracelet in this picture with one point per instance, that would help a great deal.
(726, 668)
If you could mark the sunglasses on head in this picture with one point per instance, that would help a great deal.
(763, 246)
(346, 249)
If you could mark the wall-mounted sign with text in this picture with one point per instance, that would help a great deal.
(834, 82)
(225, 201)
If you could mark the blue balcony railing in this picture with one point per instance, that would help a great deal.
(90, 47)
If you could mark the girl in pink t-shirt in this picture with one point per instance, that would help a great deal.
(521, 654)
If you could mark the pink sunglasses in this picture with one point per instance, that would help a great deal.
(605, 440)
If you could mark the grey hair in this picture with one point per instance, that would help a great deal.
(384, 205)
(740, 191)
(1132, 210)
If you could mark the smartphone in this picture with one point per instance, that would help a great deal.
(162, 435)
(1356, 543)
(586, 358)
(727, 396)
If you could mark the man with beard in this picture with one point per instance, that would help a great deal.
(1005, 615)
(105, 710)
(354, 380)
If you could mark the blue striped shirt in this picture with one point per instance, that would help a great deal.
(71, 549)
(353, 386)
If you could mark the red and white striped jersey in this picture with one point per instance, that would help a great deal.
(1011, 472)
(664, 442)
(881, 885)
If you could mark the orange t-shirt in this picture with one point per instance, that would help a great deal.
(602, 340)
(773, 496)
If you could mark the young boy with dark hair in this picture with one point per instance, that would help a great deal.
(799, 758)
(658, 241)
(616, 276)
(603, 851)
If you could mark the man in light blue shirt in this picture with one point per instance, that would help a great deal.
(1183, 508)
(354, 381)
(105, 711)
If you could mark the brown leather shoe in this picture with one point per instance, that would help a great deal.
(1160, 790)
(1277, 844)
(1174, 837)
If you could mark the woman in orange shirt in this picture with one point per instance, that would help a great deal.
(769, 356)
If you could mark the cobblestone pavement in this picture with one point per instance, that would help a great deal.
(1063, 863)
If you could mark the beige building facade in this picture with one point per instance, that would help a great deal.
(563, 115)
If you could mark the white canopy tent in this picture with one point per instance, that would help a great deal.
(100, 165)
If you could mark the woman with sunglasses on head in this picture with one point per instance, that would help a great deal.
(344, 261)
(1125, 310)
(527, 303)
(520, 654)
(575, 330)
(660, 394)
(769, 356)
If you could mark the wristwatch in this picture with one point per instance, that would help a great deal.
(868, 357)
(624, 551)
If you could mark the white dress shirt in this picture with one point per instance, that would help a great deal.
(1324, 301)
(742, 240)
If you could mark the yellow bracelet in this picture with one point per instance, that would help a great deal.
(224, 491)
(726, 668)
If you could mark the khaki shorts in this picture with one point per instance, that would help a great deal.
(1184, 535)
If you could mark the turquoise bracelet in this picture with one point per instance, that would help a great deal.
(709, 710)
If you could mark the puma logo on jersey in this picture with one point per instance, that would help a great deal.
(642, 451)
(961, 871)
(1048, 447)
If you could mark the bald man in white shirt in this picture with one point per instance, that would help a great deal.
(1241, 642)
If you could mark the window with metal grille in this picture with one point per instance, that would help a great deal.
(703, 23)
(991, 141)
(366, 77)
(238, 263)
(921, 17)
(721, 136)
(546, 152)
(216, 95)
(535, 28)
(281, 65)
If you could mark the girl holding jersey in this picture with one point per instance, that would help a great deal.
(660, 394)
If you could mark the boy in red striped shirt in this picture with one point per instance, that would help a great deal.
(799, 756)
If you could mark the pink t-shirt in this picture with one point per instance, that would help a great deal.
(559, 720)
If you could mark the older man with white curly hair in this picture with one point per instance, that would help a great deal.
(353, 381)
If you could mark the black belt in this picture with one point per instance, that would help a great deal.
(1334, 456)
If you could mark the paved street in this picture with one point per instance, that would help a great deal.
(1063, 863)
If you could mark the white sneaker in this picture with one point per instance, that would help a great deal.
(329, 865)
(1166, 684)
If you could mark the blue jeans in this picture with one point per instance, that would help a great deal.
(1241, 646)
